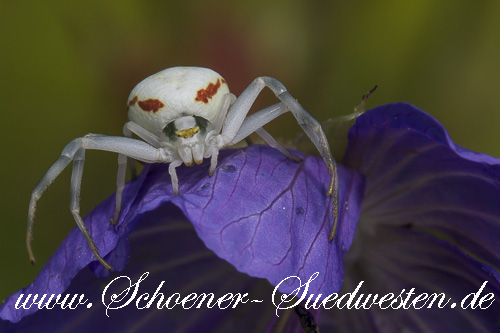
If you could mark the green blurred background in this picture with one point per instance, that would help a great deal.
(66, 69)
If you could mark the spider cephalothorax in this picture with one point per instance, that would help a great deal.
(183, 115)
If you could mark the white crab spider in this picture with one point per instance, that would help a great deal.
(183, 114)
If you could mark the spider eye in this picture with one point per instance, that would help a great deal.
(188, 132)
(185, 127)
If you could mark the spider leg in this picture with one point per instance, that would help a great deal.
(219, 120)
(260, 118)
(132, 128)
(128, 129)
(213, 152)
(51, 174)
(173, 175)
(75, 151)
(236, 125)
(213, 162)
(268, 138)
(120, 183)
(237, 131)
(309, 124)
(74, 206)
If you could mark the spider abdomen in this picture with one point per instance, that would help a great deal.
(174, 93)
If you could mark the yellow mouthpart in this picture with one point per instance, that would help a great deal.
(187, 133)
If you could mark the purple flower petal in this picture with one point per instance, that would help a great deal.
(271, 218)
(417, 177)
(73, 255)
(165, 245)
(398, 258)
(266, 215)
(430, 220)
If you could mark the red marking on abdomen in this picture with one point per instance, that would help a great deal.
(133, 101)
(152, 105)
(204, 95)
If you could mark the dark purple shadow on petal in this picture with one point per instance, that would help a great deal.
(165, 245)
(425, 198)
(417, 177)
(397, 259)
(268, 216)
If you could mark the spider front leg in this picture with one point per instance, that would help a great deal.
(75, 151)
(62, 162)
(120, 183)
(74, 203)
(237, 126)
(72, 152)
(128, 129)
